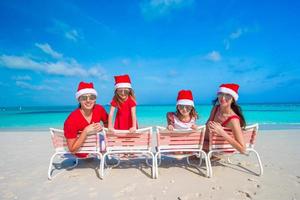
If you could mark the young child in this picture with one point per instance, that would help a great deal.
(185, 115)
(124, 101)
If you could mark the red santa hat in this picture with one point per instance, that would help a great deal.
(185, 97)
(230, 88)
(122, 81)
(85, 88)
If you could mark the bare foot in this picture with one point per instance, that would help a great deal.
(215, 158)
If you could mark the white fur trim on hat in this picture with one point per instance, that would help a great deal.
(185, 102)
(85, 91)
(229, 91)
(122, 85)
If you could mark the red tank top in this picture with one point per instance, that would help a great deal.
(224, 123)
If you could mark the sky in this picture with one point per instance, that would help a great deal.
(48, 47)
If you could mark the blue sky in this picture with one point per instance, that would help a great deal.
(48, 47)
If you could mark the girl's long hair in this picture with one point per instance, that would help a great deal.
(236, 108)
(193, 113)
(118, 99)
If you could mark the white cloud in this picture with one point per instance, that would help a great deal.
(48, 50)
(227, 44)
(19, 62)
(72, 35)
(238, 33)
(157, 8)
(99, 72)
(65, 30)
(22, 78)
(64, 68)
(213, 56)
(234, 35)
(29, 86)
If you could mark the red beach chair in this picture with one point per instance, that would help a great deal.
(183, 141)
(129, 145)
(90, 146)
(217, 144)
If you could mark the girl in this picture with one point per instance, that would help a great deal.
(85, 119)
(124, 101)
(227, 113)
(185, 115)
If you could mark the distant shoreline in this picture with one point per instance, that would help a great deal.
(265, 127)
(169, 104)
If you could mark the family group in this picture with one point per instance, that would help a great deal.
(90, 117)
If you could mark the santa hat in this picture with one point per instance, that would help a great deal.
(185, 97)
(122, 81)
(85, 88)
(230, 88)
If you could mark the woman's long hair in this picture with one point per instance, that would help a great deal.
(118, 99)
(236, 108)
(193, 113)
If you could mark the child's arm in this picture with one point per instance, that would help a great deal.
(170, 120)
(110, 118)
(194, 127)
(133, 115)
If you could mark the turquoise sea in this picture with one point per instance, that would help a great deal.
(269, 116)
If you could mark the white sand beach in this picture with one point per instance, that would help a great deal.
(25, 158)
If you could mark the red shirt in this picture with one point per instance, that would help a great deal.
(123, 119)
(76, 121)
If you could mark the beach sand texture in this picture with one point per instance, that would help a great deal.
(25, 158)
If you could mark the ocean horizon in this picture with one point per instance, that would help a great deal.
(267, 115)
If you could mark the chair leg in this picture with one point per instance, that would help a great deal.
(157, 163)
(99, 155)
(51, 163)
(153, 165)
(50, 166)
(209, 164)
(261, 170)
(102, 162)
(206, 163)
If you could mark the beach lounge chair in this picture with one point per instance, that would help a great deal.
(217, 144)
(122, 143)
(90, 146)
(183, 141)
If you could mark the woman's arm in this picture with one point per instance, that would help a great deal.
(238, 141)
(110, 117)
(75, 143)
(133, 116)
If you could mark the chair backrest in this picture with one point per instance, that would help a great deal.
(90, 145)
(217, 142)
(180, 139)
(124, 140)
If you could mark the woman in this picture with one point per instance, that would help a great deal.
(227, 113)
(85, 119)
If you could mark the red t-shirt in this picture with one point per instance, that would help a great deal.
(76, 122)
(123, 119)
